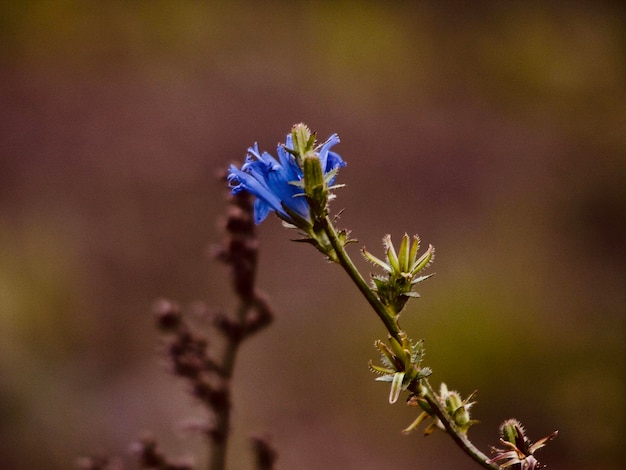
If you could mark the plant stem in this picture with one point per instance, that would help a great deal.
(459, 438)
(221, 429)
(355, 275)
(394, 330)
(239, 250)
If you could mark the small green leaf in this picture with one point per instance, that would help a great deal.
(374, 260)
(403, 254)
(398, 351)
(414, 249)
(378, 369)
(424, 260)
(386, 356)
(385, 378)
(411, 427)
(392, 256)
(425, 372)
(396, 387)
(421, 278)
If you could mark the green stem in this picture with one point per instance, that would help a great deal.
(458, 437)
(390, 323)
(394, 330)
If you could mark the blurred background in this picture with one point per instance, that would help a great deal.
(495, 130)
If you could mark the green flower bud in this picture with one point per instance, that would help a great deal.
(457, 408)
(303, 141)
(512, 431)
(315, 187)
(453, 402)
(394, 288)
(518, 448)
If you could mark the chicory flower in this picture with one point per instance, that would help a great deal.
(278, 184)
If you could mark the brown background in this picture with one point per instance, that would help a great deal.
(495, 131)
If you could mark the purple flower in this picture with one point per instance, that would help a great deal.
(278, 183)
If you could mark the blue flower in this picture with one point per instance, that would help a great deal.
(277, 183)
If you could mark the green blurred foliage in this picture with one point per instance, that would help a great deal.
(496, 130)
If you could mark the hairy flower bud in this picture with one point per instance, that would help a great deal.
(303, 141)
(395, 288)
(518, 448)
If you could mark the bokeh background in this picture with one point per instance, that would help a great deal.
(495, 130)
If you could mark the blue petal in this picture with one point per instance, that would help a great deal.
(254, 183)
(334, 161)
(261, 210)
(270, 179)
(324, 150)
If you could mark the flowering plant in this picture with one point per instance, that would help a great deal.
(297, 188)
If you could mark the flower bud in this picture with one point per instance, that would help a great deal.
(518, 448)
(315, 187)
(303, 140)
(394, 288)
(512, 431)
(457, 408)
